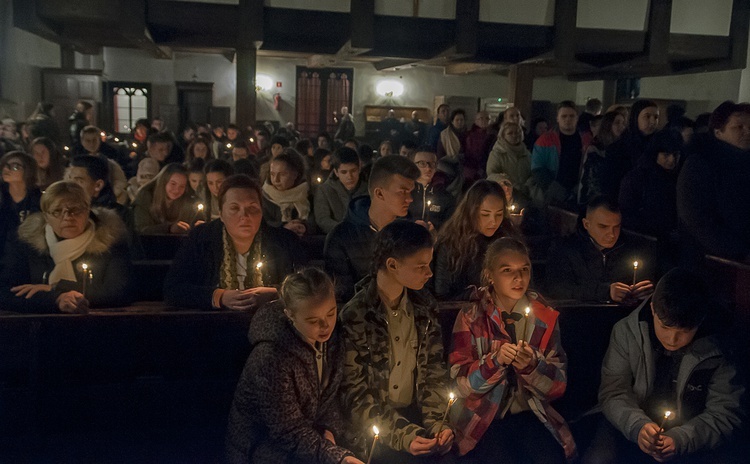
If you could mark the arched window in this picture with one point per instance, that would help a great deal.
(130, 104)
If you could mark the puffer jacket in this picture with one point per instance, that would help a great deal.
(332, 202)
(280, 409)
(366, 370)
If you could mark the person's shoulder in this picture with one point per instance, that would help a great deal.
(278, 235)
(547, 139)
(207, 232)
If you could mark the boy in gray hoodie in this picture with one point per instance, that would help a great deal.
(668, 392)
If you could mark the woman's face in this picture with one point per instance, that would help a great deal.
(648, 120)
(276, 150)
(67, 218)
(619, 125)
(510, 275)
(315, 321)
(241, 213)
(214, 180)
(325, 163)
(195, 178)
(13, 171)
(513, 116)
(41, 155)
(200, 150)
(541, 128)
(427, 164)
(490, 215)
(458, 122)
(386, 149)
(668, 161)
(176, 186)
(512, 134)
(282, 175)
(736, 131)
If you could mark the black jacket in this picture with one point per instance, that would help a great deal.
(449, 284)
(648, 199)
(28, 262)
(349, 247)
(280, 416)
(195, 270)
(578, 270)
(441, 205)
(712, 200)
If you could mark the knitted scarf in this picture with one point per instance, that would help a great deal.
(229, 279)
(451, 142)
(289, 200)
(64, 252)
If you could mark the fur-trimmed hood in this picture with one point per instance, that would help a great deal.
(109, 230)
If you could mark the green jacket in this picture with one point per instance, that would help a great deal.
(367, 369)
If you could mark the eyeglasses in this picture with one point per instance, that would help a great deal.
(72, 212)
(424, 164)
(14, 166)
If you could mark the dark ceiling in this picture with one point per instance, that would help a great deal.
(463, 45)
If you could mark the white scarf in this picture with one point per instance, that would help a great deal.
(63, 252)
(294, 198)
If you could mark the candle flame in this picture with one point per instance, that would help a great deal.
(229, 145)
(452, 396)
(67, 148)
(512, 207)
(635, 264)
(252, 140)
(667, 414)
(84, 266)
(375, 430)
(135, 145)
(103, 134)
(527, 311)
(200, 206)
(259, 265)
(116, 139)
(320, 180)
(429, 202)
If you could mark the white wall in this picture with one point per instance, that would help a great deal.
(22, 56)
(703, 92)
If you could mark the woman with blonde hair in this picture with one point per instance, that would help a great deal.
(164, 205)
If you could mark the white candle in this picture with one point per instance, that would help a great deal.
(635, 272)
(85, 268)
(522, 336)
(667, 415)
(451, 399)
(376, 432)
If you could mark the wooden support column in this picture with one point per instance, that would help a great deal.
(521, 87)
(249, 39)
(657, 37)
(246, 98)
(609, 94)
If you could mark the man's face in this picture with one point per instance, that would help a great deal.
(232, 133)
(158, 151)
(404, 151)
(396, 194)
(567, 118)
(348, 174)
(239, 153)
(81, 177)
(482, 119)
(443, 113)
(413, 271)
(736, 132)
(603, 226)
(91, 142)
(672, 338)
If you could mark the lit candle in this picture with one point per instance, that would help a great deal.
(229, 146)
(259, 265)
(116, 139)
(67, 148)
(667, 415)
(320, 179)
(426, 211)
(522, 336)
(135, 145)
(103, 134)
(85, 268)
(252, 140)
(635, 272)
(374, 442)
(451, 399)
(512, 209)
(198, 212)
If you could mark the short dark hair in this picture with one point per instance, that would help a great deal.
(399, 239)
(456, 112)
(422, 149)
(96, 166)
(344, 155)
(160, 137)
(391, 165)
(219, 165)
(90, 130)
(442, 105)
(196, 165)
(352, 140)
(241, 144)
(681, 299)
(593, 105)
(409, 144)
(280, 140)
(720, 116)
(238, 181)
(603, 201)
(567, 104)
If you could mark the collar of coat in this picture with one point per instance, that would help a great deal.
(109, 231)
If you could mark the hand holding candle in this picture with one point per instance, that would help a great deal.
(667, 415)
(376, 432)
(451, 399)
(198, 212)
(521, 336)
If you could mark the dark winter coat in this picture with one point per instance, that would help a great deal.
(280, 409)
(349, 247)
(578, 270)
(648, 200)
(195, 270)
(712, 200)
(28, 262)
(450, 284)
(332, 202)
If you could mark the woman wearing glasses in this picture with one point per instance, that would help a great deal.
(20, 194)
(67, 258)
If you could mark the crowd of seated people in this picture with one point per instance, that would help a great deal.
(403, 230)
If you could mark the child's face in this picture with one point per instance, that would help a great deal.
(510, 275)
(414, 271)
(672, 338)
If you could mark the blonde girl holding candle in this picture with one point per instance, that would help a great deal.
(508, 369)
(286, 407)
